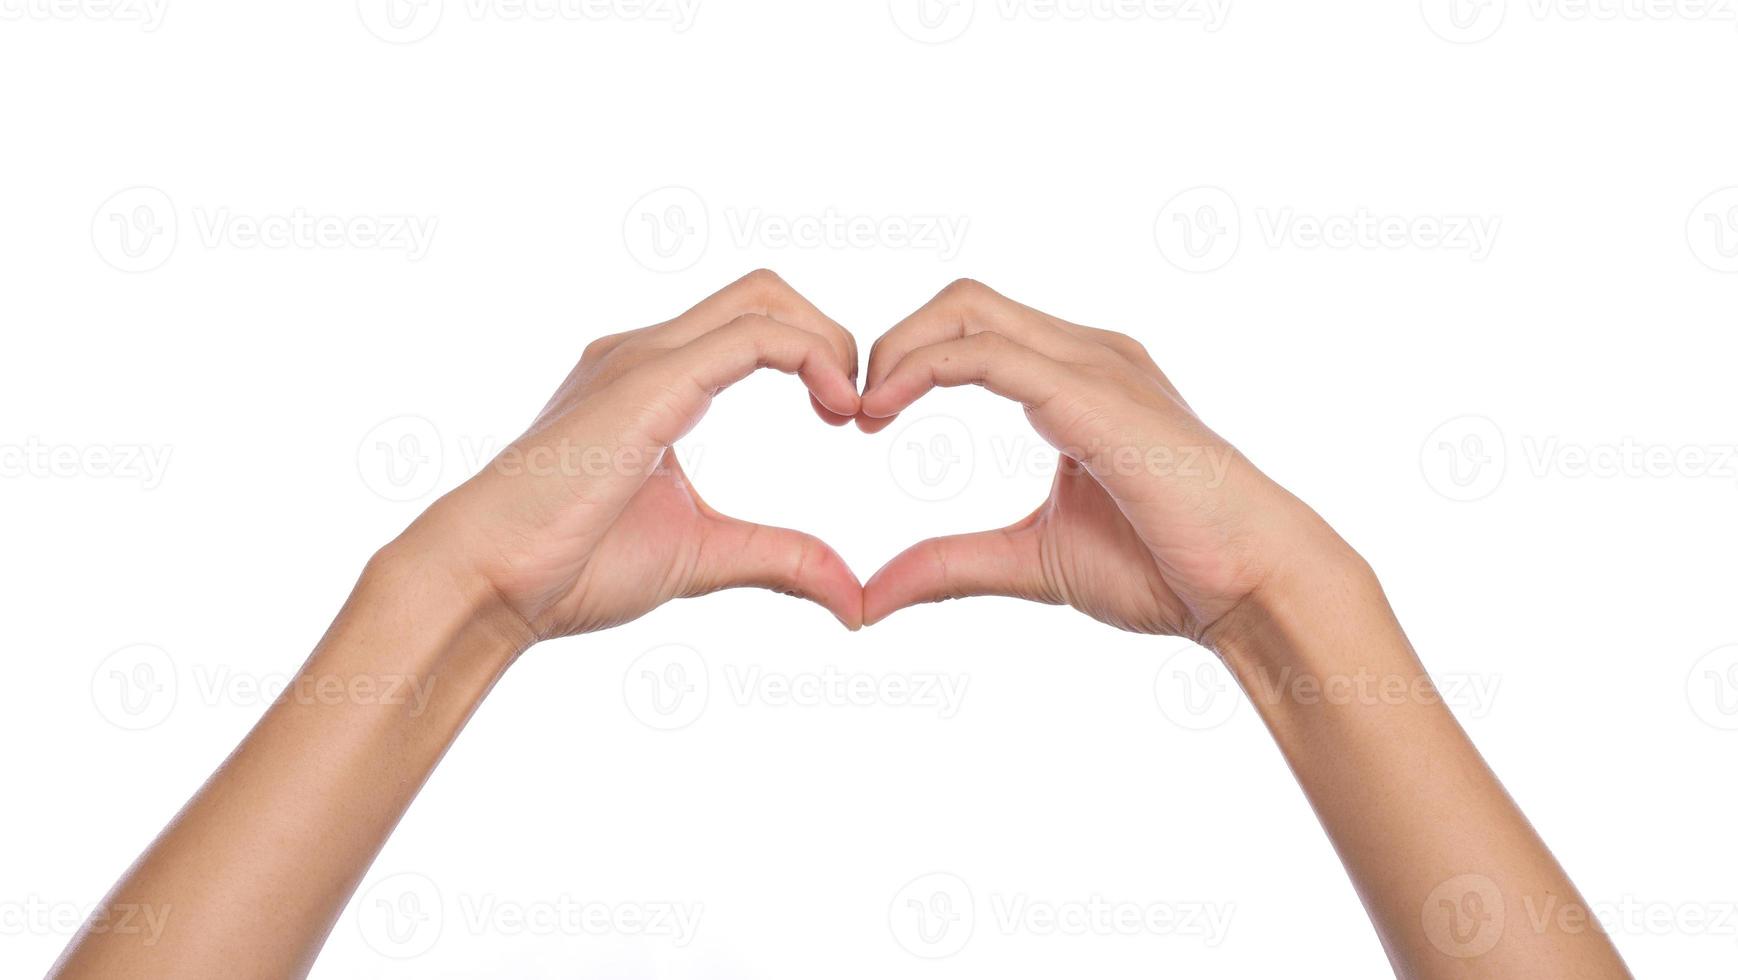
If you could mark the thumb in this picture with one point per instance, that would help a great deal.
(1005, 562)
(737, 554)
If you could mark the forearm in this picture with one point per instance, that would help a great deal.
(248, 879)
(1453, 876)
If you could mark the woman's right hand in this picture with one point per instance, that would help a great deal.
(1153, 524)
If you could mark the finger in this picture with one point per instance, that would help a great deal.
(967, 307)
(716, 360)
(764, 293)
(1006, 562)
(738, 554)
(989, 359)
(828, 415)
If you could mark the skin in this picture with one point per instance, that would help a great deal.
(1154, 524)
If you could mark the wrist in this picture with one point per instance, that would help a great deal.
(435, 585)
(1323, 609)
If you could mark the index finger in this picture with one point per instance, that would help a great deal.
(764, 293)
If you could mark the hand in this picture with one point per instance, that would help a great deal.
(586, 521)
(1154, 523)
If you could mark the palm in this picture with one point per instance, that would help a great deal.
(1096, 562)
(643, 559)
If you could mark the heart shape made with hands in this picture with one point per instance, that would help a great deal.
(1160, 566)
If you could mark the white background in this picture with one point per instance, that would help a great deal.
(303, 389)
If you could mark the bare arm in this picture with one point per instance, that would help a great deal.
(249, 878)
(1155, 524)
(1445, 862)
(583, 523)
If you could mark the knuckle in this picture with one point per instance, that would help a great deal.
(989, 340)
(1132, 349)
(763, 282)
(599, 348)
(966, 289)
(747, 323)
